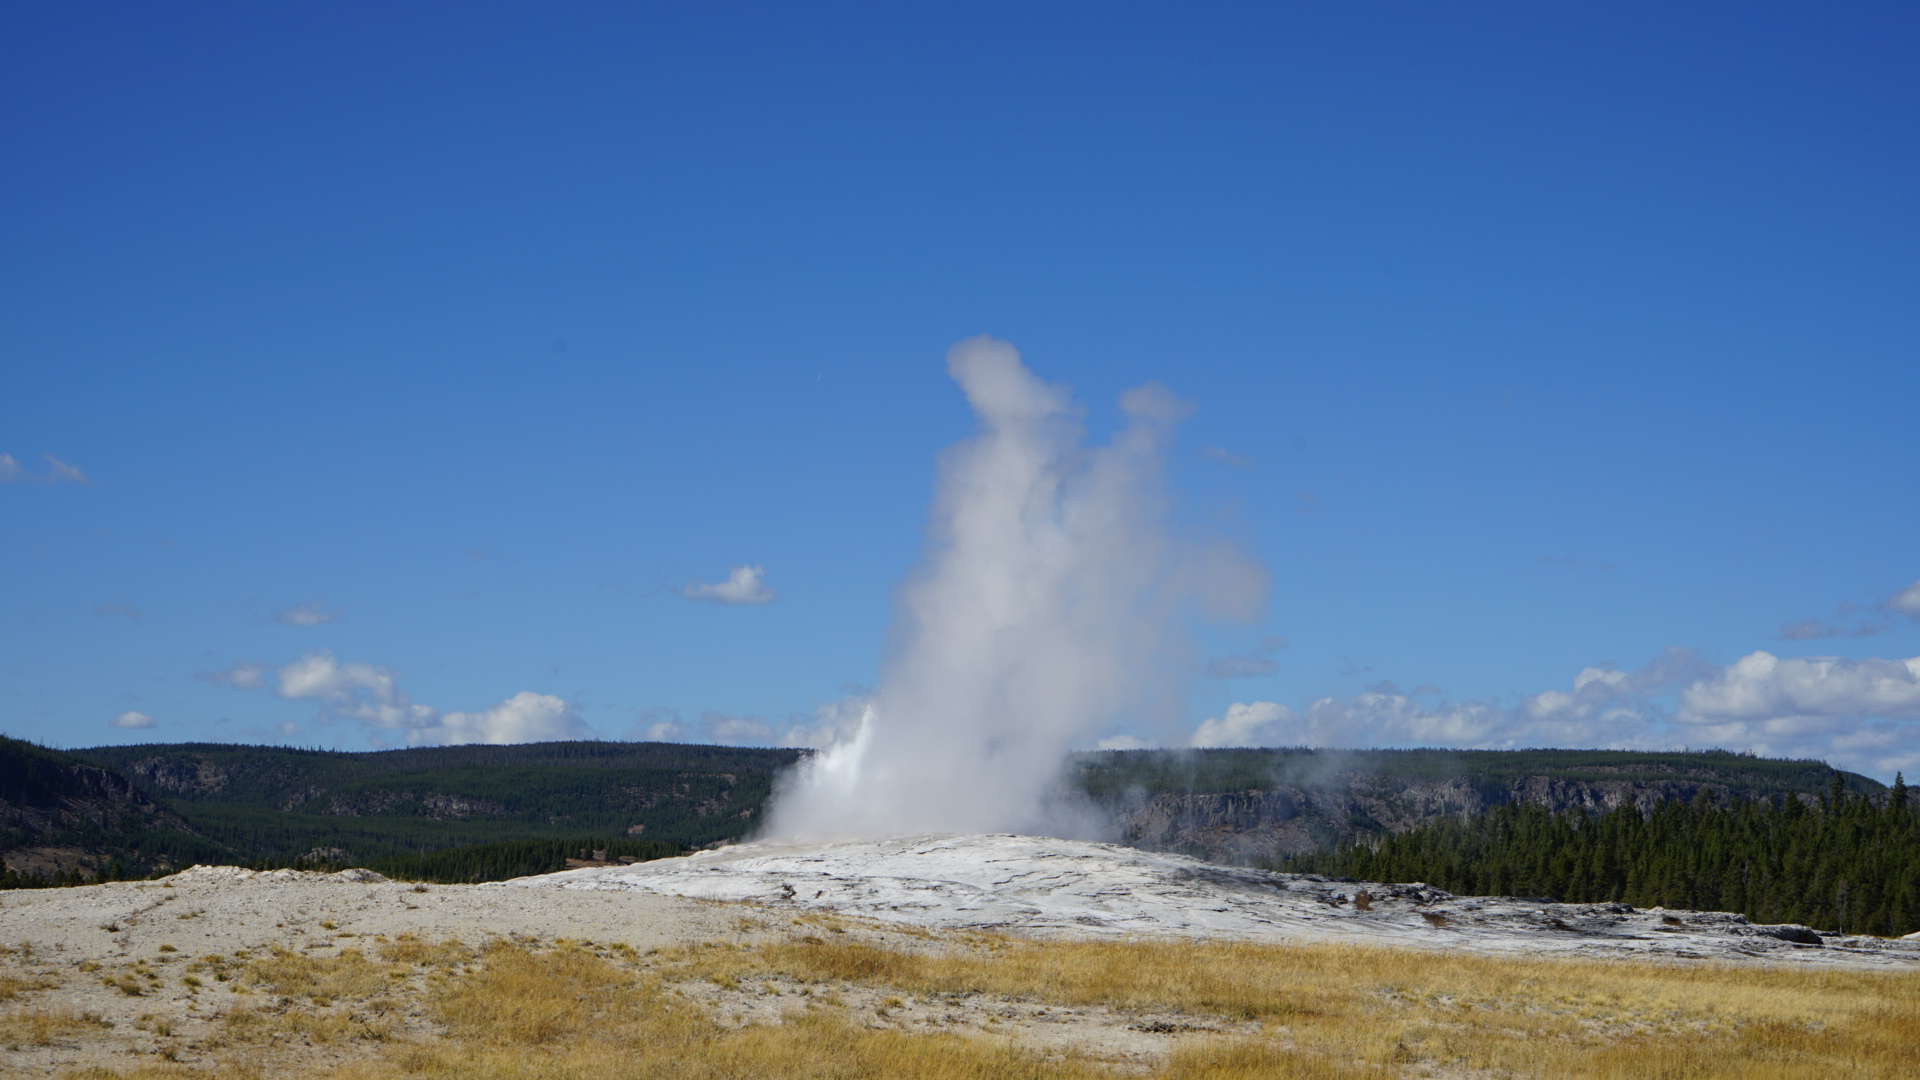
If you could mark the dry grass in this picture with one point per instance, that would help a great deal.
(571, 1012)
(321, 979)
(12, 987)
(515, 1012)
(408, 949)
(46, 1027)
(1386, 1007)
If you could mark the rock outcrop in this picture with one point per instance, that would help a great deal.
(1248, 827)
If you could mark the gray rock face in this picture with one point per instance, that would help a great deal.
(1246, 827)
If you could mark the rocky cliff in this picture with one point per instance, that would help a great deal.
(60, 814)
(1249, 806)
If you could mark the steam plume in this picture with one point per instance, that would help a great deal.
(1050, 603)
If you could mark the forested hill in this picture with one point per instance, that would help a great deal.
(336, 781)
(279, 804)
(164, 805)
(1247, 805)
(60, 816)
(1840, 862)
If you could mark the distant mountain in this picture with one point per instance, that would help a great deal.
(279, 804)
(60, 815)
(1247, 806)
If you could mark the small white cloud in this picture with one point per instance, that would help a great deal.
(372, 695)
(58, 472)
(124, 611)
(309, 614)
(1855, 620)
(1273, 644)
(1761, 685)
(1241, 667)
(355, 691)
(134, 720)
(1122, 742)
(524, 717)
(1226, 457)
(1243, 725)
(658, 725)
(1606, 677)
(241, 676)
(1906, 601)
(743, 586)
(737, 730)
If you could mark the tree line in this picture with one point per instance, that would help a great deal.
(1842, 862)
(516, 858)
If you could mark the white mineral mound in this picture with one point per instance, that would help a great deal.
(1039, 885)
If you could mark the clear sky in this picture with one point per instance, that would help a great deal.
(387, 371)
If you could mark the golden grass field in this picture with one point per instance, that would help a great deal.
(837, 1003)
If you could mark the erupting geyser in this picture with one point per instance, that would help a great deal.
(1049, 604)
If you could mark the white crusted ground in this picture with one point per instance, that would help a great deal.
(1038, 885)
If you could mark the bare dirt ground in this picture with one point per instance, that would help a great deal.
(220, 969)
(149, 972)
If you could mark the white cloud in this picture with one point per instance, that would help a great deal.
(134, 720)
(658, 725)
(1862, 714)
(1122, 742)
(1906, 601)
(58, 472)
(737, 730)
(1857, 714)
(743, 586)
(1854, 620)
(1254, 724)
(1226, 457)
(1241, 667)
(241, 676)
(524, 717)
(372, 695)
(309, 614)
(360, 692)
(1761, 685)
(829, 724)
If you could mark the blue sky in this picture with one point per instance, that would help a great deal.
(444, 344)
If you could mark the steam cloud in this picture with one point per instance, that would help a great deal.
(1050, 602)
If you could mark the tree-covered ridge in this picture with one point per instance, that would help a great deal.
(58, 814)
(281, 804)
(1111, 772)
(1843, 862)
(273, 775)
(516, 858)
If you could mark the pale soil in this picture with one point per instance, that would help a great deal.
(69, 951)
(124, 928)
(115, 960)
